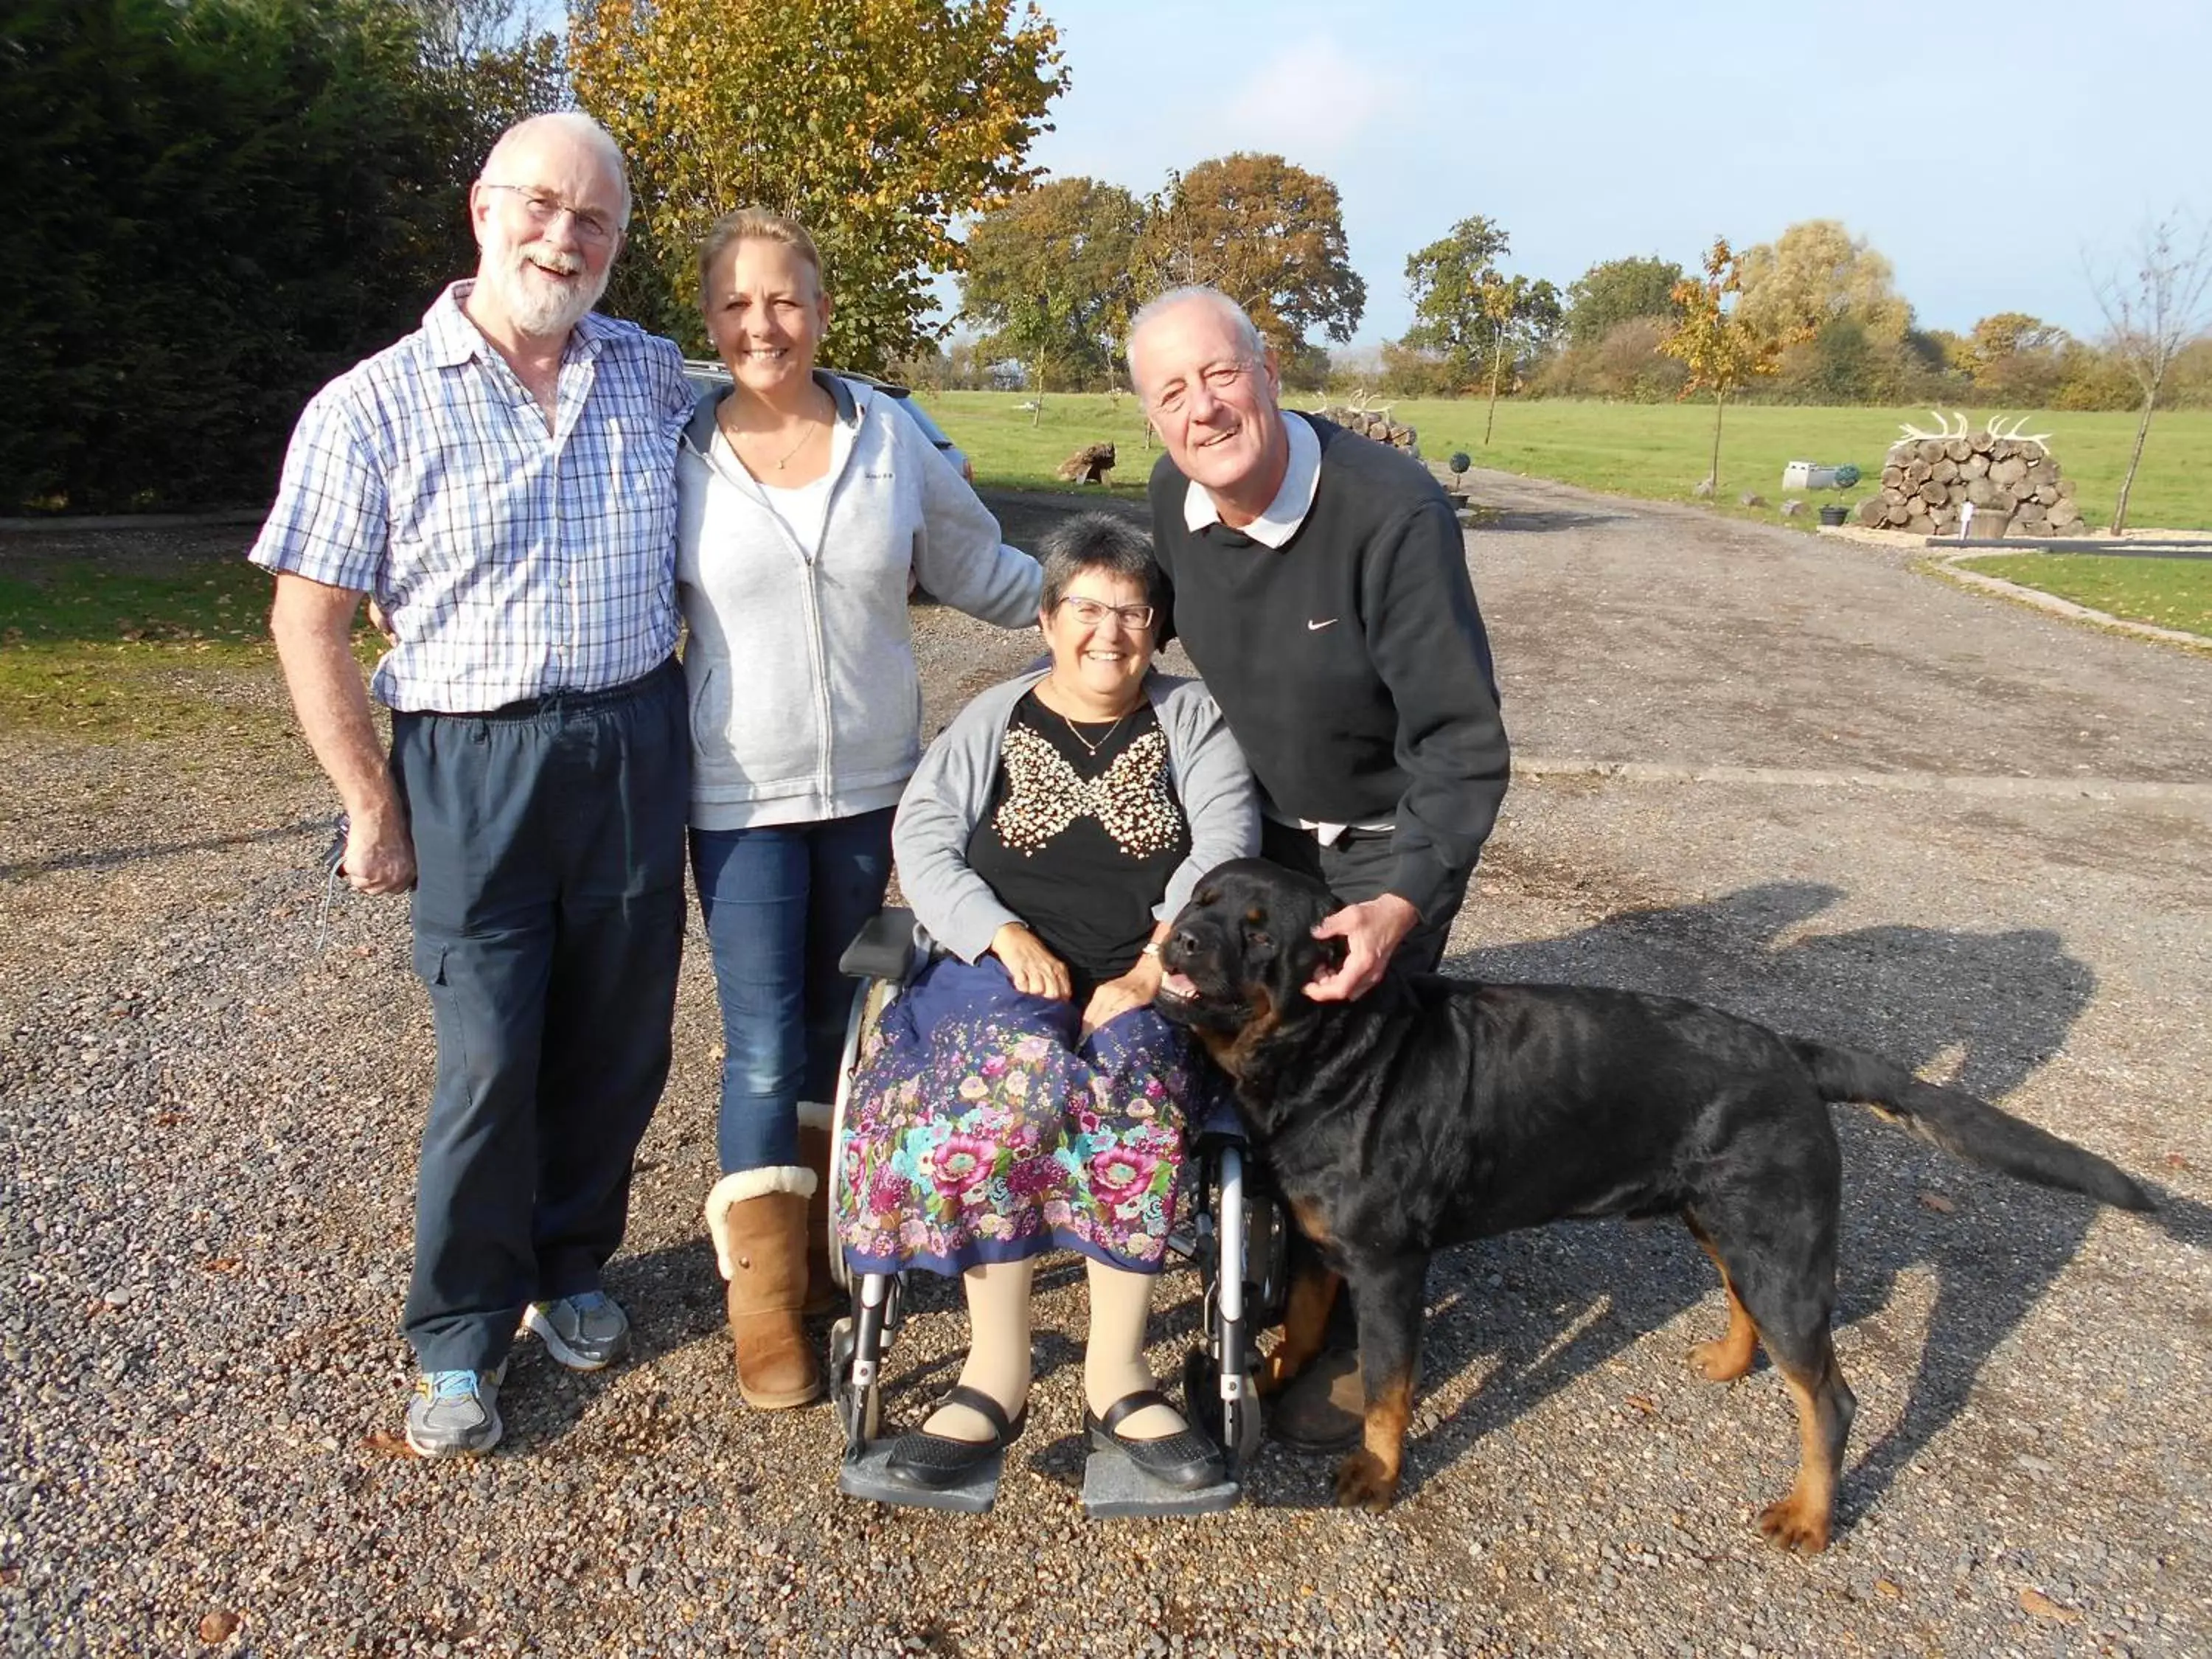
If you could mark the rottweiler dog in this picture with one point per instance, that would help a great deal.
(1435, 1110)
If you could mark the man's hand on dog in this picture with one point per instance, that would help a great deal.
(1371, 932)
(1034, 970)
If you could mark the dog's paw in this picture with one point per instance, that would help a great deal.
(1722, 1362)
(1361, 1482)
(1795, 1525)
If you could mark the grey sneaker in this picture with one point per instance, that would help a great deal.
(586, 1332)
(454, 1413)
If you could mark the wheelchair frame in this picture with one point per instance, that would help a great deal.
(1233, 1218)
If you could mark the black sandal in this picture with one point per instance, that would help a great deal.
(938, 1461)
(1185, 1459)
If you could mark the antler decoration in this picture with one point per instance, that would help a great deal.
(1911, 433)
(1996, 428)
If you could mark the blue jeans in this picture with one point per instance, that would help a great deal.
(781, 902)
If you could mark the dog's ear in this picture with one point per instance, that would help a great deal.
(1312, 958)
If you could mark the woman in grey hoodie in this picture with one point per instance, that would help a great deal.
(808, 508)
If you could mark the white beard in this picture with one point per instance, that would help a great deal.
(537, 304)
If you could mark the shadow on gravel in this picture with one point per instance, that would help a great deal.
(101, 858)
(1529, 521)
(1531, 1313)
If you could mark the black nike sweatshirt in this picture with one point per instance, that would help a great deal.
(1352, 664)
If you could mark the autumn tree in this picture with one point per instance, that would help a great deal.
(1814, 272)
(2013, 357)
(2154, 312)
(1617, 291)
(1723, 350)
(1051, 276)
(1268, 235)
(875, 123)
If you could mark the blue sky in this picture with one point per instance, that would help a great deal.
(1983, 148)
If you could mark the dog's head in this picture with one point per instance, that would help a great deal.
(1243, 952)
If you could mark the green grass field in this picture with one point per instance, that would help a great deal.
(1656, 450)
(2168, 592)
(107, 650)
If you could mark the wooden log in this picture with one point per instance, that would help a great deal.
(1920, 524)
(1916, 473)
(2066, 489)
(1931, 450)
(1891, 476)
(1984, 492)
(1957, 449)
(1896, 513)
(1934, 493)
(1944, 471)
(2064, 515)
(2008, 470)
(2046, 494)
(1873, 511)
(1955, 492)
(2004, 449)
(1975, 466)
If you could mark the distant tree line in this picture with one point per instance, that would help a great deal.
(1053, 273)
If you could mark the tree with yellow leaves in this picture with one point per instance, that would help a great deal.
(1721, 350)
(875, 123)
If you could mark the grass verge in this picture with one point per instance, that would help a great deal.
(1658, 451)
(2165, 592)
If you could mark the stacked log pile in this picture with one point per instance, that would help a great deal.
(1374, 424)
(2013, 482)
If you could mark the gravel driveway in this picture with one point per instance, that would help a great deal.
(1781, 772)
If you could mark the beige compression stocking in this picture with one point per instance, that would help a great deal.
(998, 1348)
(1113, 1362)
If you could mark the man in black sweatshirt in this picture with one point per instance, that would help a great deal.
(1319, 583)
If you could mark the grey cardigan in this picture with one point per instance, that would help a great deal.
(952, 788)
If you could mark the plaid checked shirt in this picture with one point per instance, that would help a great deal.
(512, 560)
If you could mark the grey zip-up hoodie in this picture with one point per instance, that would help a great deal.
(805, 703)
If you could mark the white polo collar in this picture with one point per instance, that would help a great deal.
(1301, 479)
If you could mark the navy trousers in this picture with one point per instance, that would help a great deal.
(549, 927)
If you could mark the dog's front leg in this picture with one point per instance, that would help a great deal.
(1387, 1299)
(1306, 1322)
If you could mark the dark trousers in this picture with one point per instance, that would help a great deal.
(1357, 868)
(781, 902)
(549, 927)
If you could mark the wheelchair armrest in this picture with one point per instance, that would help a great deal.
(883, 948)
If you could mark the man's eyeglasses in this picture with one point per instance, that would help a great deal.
(1093, 612)
(1220, 380)
(542, 210)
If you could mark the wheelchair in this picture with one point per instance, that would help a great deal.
(1235, 1234)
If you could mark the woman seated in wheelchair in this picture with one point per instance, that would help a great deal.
(1022, 1095)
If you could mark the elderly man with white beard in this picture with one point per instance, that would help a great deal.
(501, 482)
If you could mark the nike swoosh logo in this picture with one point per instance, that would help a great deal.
(1315, 627)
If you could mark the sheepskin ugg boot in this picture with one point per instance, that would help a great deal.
(757, 1218)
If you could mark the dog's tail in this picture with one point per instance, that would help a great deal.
(1965, 1126)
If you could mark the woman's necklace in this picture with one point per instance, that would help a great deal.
(804, 437)
(1090, 748)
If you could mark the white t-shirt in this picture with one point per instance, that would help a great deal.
(803, 509)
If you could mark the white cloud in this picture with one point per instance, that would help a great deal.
(1311, 101)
